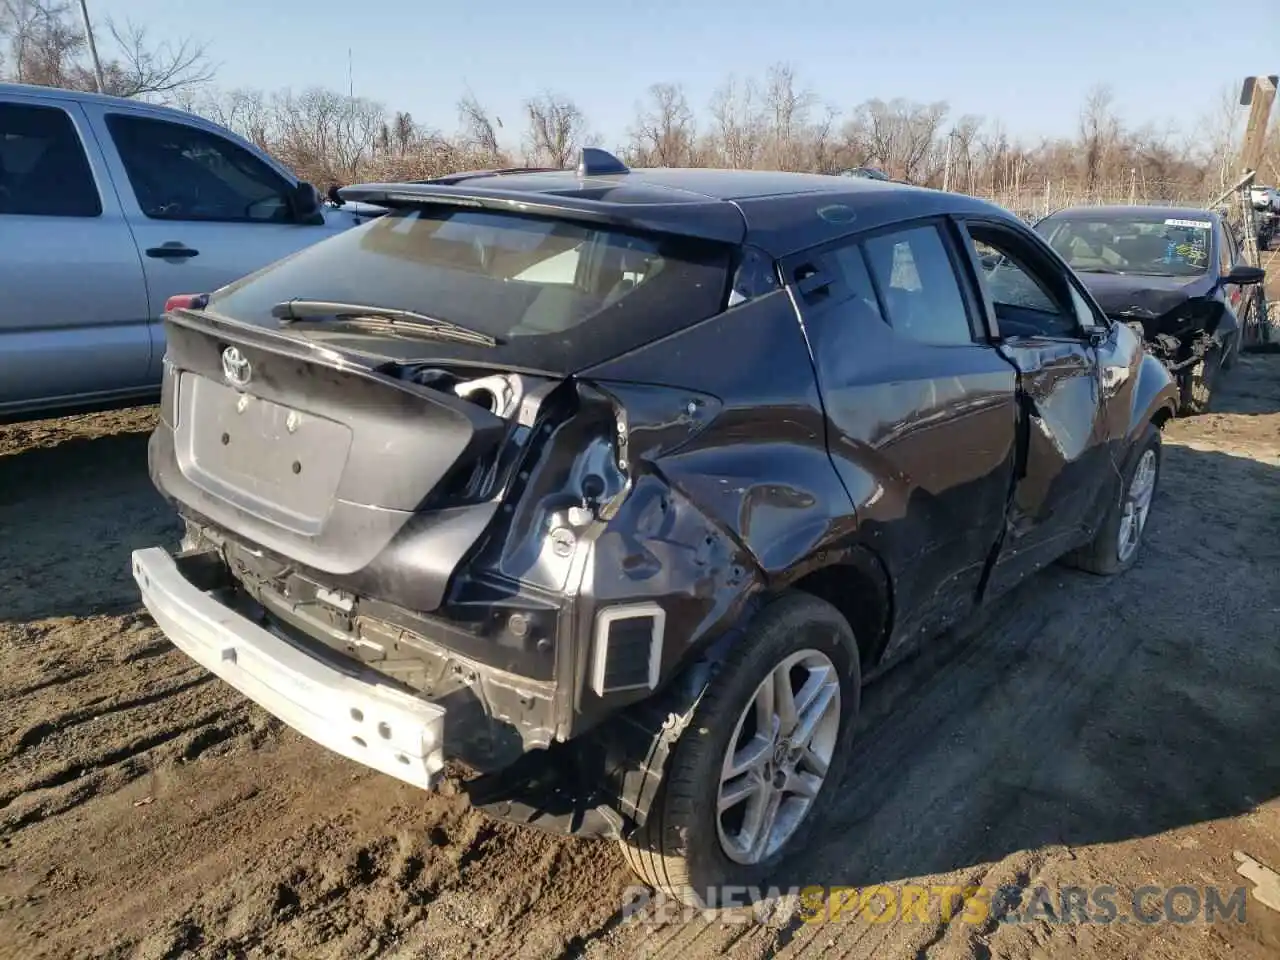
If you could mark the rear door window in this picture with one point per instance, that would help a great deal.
(918, 287)
(44, 171)
(561, 294)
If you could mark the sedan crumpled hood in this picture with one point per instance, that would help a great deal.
(1143, 297)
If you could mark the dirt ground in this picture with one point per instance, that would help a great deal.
(1084, 731)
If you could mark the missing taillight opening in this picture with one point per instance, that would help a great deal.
(499, 394)
(482, 397)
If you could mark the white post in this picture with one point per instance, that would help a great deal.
(946, 169)
(93, 47)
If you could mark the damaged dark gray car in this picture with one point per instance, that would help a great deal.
(615, 485)
(1176, 274)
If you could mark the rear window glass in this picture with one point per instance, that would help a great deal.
(561, 294)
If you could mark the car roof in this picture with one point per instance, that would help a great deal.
(81, 96)
(780, 212)
(1112, 211)
(141, 108)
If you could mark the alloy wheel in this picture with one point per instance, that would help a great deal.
(1137, 505)
(778, 757)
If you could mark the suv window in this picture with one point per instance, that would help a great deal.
(183, 173)
(1020, 285)
(917, 284)
(851, 267)
(43, 168)
(560, 294)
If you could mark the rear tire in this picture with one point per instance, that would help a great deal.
(694, 840)
(1231, 348)
(1110, 551)
(1250, 320)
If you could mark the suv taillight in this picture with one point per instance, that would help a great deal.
(186, 301)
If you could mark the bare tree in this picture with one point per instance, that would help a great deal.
(663, 133)
(738, 123)
(772, 121)
(142, 68)
(1217, 138)
(1099, 131)
(245, 111)
(325, 133)
(404, 131)
(786, 110)
(478, 128)
(45, 44)
(556, 126)
(902, 137)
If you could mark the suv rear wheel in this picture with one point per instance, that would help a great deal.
(761, 760)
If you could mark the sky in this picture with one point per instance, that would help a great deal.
(1028, 63)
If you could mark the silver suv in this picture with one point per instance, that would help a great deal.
(1266, 199)
(108, 207)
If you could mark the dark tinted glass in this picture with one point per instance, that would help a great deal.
(181, 173)
(562, 294)
(43, 168)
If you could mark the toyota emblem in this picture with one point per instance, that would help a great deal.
(235, 367)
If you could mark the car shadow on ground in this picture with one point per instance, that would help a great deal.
(1080, 710)
(1249, 386)
(71, 515)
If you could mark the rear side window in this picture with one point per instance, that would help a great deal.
(918, 286)
(43, 168)
(180, 172)
(561, 294)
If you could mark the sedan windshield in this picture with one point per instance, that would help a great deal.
(1137, 244)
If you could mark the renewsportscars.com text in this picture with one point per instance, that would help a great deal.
(973, 905)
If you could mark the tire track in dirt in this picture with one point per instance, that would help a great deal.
(98, 709)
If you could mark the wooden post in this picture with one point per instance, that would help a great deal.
(1255, 134)
(1259, 94)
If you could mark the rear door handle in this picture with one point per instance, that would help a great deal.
(172, 250)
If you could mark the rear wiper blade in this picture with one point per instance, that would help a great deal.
(387, 319)
(1096, 270)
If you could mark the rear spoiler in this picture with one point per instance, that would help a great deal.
(451, 178)
(712, 219)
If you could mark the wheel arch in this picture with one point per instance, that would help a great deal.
(855, 581)
(1155, 397)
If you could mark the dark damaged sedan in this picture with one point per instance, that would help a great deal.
(1175, 273)
(613, 486)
